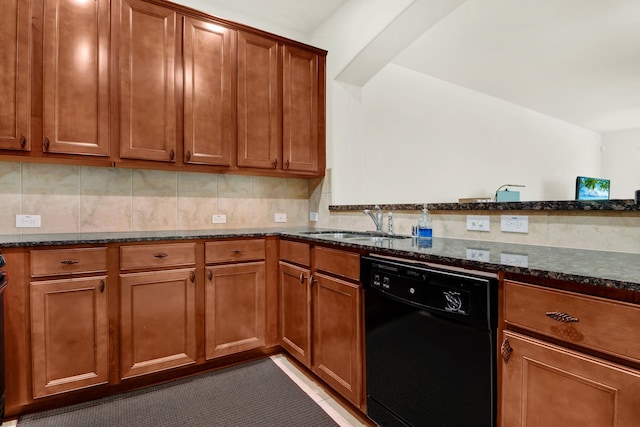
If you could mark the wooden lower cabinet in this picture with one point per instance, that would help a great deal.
(157, 321)
(295, 311)
(336, 334)
(235, 312)
(69, 334)
(544, 385)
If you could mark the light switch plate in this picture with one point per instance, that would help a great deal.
(482, 255)
(280, 217)
(516, 260)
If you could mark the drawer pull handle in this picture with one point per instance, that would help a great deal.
(172, 155)
(562, 317)
(302, 278)
(160, 255)
(46, 144)
(23, 141)
(192, 276)
(210, 275)
(237, 251)
(102, 286)
(69, 261)
(286, 164)
(506, 350)
(312, 280)
(275, 163)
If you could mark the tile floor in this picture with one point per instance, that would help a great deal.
(339, 414)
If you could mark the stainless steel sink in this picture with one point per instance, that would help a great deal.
(353, 235)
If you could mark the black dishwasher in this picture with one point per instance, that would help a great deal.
(430, 344)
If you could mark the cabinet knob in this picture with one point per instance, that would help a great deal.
(46, 144)
(275, 163)
(210, 275)
(312, 280)
(188, 155)
(160, 255)
(192, 276)
(23, 141)
(286, 164)
(102, 286)
(172, 155)
(302, 278)
(506, 350)
(561, 317)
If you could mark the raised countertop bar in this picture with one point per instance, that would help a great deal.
(621, 205)
(598, 268)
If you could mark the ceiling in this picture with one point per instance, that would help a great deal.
(577, 60)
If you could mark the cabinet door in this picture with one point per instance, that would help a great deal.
(295, 311)
(69, 334)
(336, 335)
(147, 86)
(209, 102)
(157, 321)
(259, 127)
(546, 386)
(235, 308)
(300, 110)
(76, 77)
(15, 24)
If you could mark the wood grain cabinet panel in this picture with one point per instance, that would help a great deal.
(69, 334)
(236, 250)
(15, 71)
(157, 321)
(300, 118)
(336, 335)
(544, 385)
(235, 308)
(259, 112)
(76, 77)
(209, 101)
(295, 311)
(147, 55)
(57, 262)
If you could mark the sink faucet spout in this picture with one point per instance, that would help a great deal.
(376, 218)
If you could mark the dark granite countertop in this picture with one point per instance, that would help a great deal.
(598, 268)
(620, 205)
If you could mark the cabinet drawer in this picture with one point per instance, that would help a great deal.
(346, 264)
(591, 322)
(295, 252)
(151, 256)
(234, 250)
(57, 262)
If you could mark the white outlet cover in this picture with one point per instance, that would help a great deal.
(516, 260)
(478, 223)
(280, 217)
(478, 255)
(219, 219)
(31, 221)
(514, 223)
(313, 216)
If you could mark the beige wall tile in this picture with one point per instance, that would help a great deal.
(234, 186)
(155, 202)
(267, 187)
(297, 188)
(106, 200)
(609, 233)
(239, 212)
(53, 192)
(197, 184)
(11, 197)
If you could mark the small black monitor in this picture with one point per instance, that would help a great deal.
(588, 188)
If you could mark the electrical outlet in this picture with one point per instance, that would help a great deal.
(478, 255)
(218, 219)
(280, 217)
(478, 223)
(514, 223)
(515, 260)
(313, 216)
(28, 221)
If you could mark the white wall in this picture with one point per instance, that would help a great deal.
(621, 161)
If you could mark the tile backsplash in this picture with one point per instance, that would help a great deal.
(73, 199)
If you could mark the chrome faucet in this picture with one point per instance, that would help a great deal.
(376, 218)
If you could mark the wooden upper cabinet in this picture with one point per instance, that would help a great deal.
(209, 92)
(76, 77)
(259, 128)
(147, 55)
(300, 110)
(15, 24)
